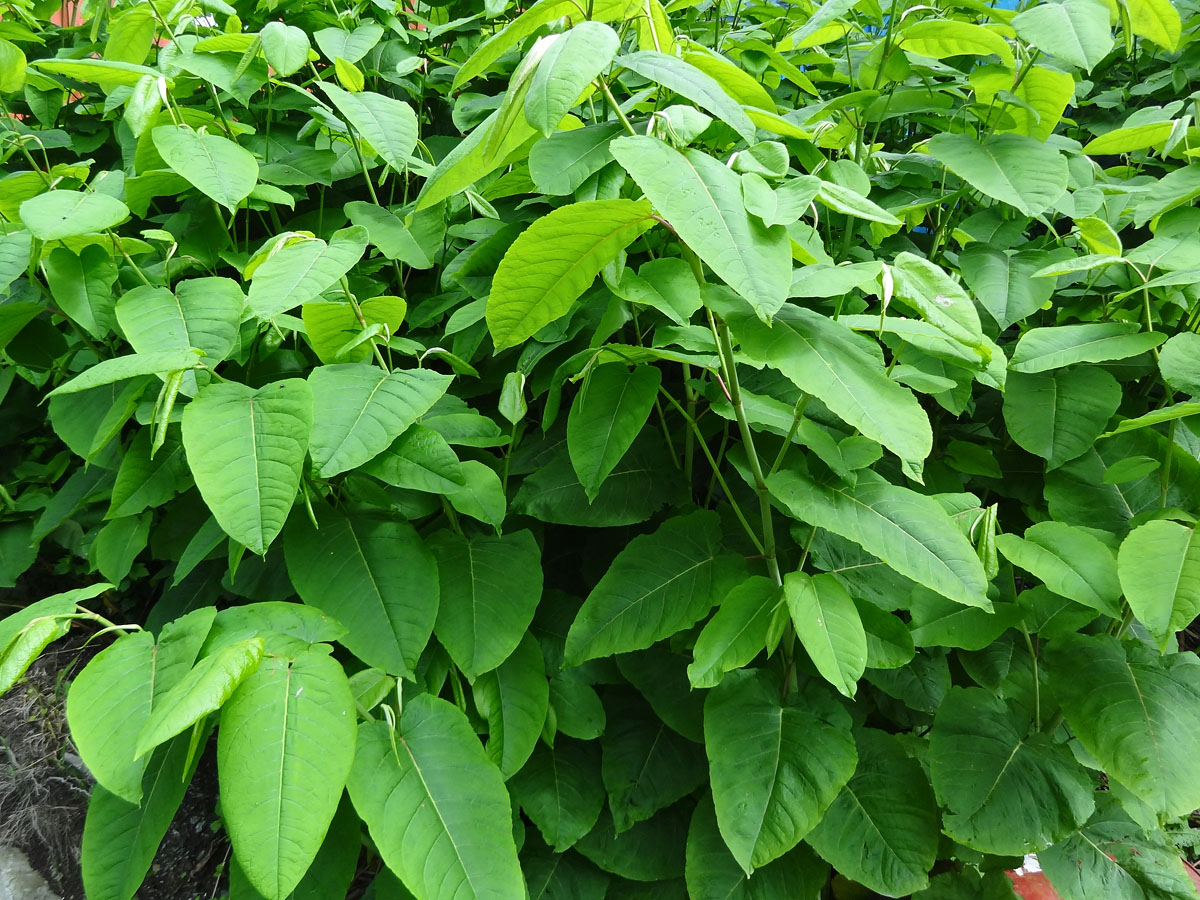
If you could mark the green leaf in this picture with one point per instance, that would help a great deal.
(419, 460)
(685, 79)
(213, 165)
(106, 705)
(609, 412)
(829, 627)
(143, 483)
(1159, 567)
(652, 850)
(659, 584)
(490, 587)
(1158, 416)
(482, 495)
(12, 68)
(376, 576)
(120, 368)
(60, 214)
(387, 232)
(204, 313)
(845, 372)
(1126, 140)
(1111, 856)
(555, 260)
(1155, 20)
(567, 68)
(25, 633)
(702, 200)
(106, 73)
(285, 47)
(1014, 169)
(284, 751)
(882, 830)
(562, 163)
(1069, 561)
(436, 805)
(561, 791)
(1042, 349)
(121, 839)
(514, 698)
(939, 299)
(246, 450)
(117, 544)
(938, 622)
(203, 690)
(1059, 414)
(713, 874)
(359, 410)
(1076, 31)
(389, 126)
(1179, 362)
(776, 766)
(1005, 793)
(911, 532)
(940, 38)
(736, 633)
(851, 203)
(81, 284)
(1137, 713)
(15, 248)
(300, 272)
(349, 45)
(646, 765)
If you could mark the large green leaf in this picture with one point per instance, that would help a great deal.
(1011, 168)
(1076, 31)
(1059, 414)
(81, 284)
(659, 584)
(1042, 349)
(776, 765)
(285, 47)
(514, 698)
(214, 165)
(565, 160)
(939, 38)
(713, 874)
(845, 372)
(1159, 568)
(882, 830)
(910, 532)
(1069, 561)
(246, 450)
(736, 633)
(490, 587)
(284, 751)
(1137, 713)
(119, 690)
(107, 704)
(299, 272)
(122, 368)
(566, 69)
(359, 410)
(374, 574)
(389, 126)
(561, 790)
(828, 625)
(436, 805)
(702, 200)
(608, 413)
(646, 765)
(25, 633)
(1112, 857)
(1004, 792)
(60, 214)
(120, 839)
(652, 850)
(688, 81)
(201, 312)
(1003, 282)
(555, 260)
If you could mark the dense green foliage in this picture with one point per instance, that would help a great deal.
(732, 443)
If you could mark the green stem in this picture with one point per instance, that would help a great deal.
(614, 105)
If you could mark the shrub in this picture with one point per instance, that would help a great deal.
(726, 444)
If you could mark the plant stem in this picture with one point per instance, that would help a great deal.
(615, 106)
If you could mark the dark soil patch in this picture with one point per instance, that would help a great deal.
(44, 790)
